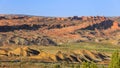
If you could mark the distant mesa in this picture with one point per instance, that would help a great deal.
(14, 22)
(87, 18)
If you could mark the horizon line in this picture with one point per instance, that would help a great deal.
(56, 15)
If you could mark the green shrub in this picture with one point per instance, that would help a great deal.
(73, 66)
(57, 66)
(93, 65)
(85, 65)
(115, 60)
(78, 66)
(89, 65)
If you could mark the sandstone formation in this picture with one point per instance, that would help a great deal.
(26, 51)
(36, 30)
(42, 56)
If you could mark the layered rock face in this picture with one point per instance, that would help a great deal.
(76, 56)
(35, 30)
(30, 22)
(104, 25)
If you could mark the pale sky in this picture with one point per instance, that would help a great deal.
(61, 7)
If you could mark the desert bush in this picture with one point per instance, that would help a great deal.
(93, 65)
(78, 66)
(88, 65)
(57, 66)
(115, 60)
(73, 66)
(85, 65)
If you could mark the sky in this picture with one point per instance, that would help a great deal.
(61, 8)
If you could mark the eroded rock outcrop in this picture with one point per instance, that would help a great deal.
(73, 56)
(107, 24)
(26, 51)
(25, 40)
(59, 29)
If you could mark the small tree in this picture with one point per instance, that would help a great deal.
(115, 60)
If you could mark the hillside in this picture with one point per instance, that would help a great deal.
(39, 30)
(68, 41)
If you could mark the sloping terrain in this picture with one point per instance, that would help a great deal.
(42, 56)
(35, 30)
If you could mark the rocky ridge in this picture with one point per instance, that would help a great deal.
(36, 30)
(76, 56)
